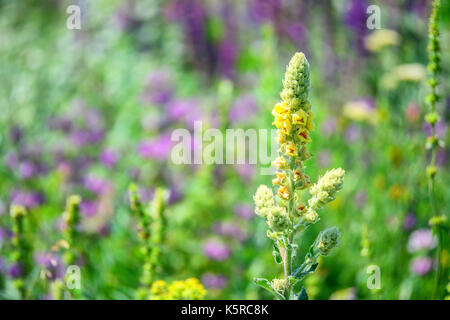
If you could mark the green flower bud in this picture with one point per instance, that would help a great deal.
(311, 215)
(327, 240)
(263, 201)
(278, 219)
(431, 171)
(296, 82)
(437, 220)
(432, 117)
(325, 190)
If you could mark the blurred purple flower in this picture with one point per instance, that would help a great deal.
(246, 171)
(158, 148)
(409, 222)
(11, 160)
(352, 134)
(51, 263)
(329, 126)
(421, 265)
(82, 137)
(96, 185)
(230, 229)
(356, 18)
(243, 109)
(213, 281)
(29, 199)
(27, 170)
(264, 10)
(244, 210)
(15, 270)
(5, 234)
(16, 134)
(174, 195)
(324, 158)
(440, 127)
(216, 250)
(360, 198)
(159, 88)
(108, 158)
(89, 208)
(421, 239)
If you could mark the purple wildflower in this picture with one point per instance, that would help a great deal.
(243, 109)
(16, 270)
(421, 265)
(96, 185)
(230, 229)
(159, 88)
(244, 210)
(158, 148)
(421, 239)
(329, 126)
(108, 158)
(409, 222)
(216, 250)
(29, 199)
(352, 134)
(214, 281)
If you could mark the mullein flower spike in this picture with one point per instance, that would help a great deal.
(22, 248)
(151, 229)
(285, 212)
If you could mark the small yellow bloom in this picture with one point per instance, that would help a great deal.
(281, 137)
(283, 124)
(280, 179)
(280, 163)
(291, 149)
(309, 124)
(301, 208)
(298, 174)
(300, 118)
(284, 193)
(303, 135)
(280, 109)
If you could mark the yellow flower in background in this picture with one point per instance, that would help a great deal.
(397, 192)
(360, 110)
(380, 39)
(411, 72)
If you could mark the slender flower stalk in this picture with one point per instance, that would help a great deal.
(21, 255)
(151, 229)
(433, 141)
(71, 220)
(285, 212)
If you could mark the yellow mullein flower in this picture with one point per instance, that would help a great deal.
(300, 118)
(291, 149)
(280, 179)
(301, 208)
(284, 193)
(310, 123)
(281, 138)
(283, 124)
(280, 109)
(280, 163)
(298, 174)
(303, 135)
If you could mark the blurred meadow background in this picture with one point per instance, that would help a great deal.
(88, 112)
